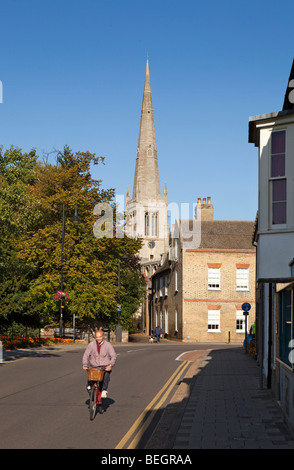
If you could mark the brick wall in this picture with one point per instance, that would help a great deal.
(198, 299)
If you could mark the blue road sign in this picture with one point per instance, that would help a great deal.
(246, 307)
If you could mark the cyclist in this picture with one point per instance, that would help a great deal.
(100, 353)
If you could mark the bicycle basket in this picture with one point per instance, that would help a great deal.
(95, 374)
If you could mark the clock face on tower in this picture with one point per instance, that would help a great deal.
(151, 244)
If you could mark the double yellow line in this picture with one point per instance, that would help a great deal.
(143, 422)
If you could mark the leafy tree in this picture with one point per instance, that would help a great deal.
(18, 212)
(89, 264)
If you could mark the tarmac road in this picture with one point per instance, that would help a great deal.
(44, 403)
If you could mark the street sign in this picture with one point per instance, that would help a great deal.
(246, 307)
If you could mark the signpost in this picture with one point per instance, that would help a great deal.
(246, 307)
(74, 325)
(118, 326)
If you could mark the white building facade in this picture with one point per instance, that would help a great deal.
(273, 134)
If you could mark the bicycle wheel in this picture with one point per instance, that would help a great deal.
(92, 404)
(99, 392)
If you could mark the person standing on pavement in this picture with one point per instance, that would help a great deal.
(252, 330)
(100, 353)
(158, 332)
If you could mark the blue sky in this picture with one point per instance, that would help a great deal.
(73, 74)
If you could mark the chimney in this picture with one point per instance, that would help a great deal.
(206, 209)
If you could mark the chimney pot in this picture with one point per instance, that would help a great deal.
(199, 200)
(204, 200)
(208, 200)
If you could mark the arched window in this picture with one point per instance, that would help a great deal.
(147, 224)
(154, 224)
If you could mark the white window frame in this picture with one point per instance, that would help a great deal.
(166, 320)
(242, 279)
(240, 317)
(166, 285)
(213, 320)
(176, 280)
(176, 249)
(214, 278)
(277, 178)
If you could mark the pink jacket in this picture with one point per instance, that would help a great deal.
(106, 357)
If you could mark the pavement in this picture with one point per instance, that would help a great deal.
(219, 403)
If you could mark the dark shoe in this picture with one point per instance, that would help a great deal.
(100, 409)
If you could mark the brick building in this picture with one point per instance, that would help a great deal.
(198, 290)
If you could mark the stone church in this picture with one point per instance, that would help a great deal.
(195, 292)
(146, 210)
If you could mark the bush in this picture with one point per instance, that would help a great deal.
(18, 341)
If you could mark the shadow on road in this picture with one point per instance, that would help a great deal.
(106, 403)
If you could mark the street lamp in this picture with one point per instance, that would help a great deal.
(75, 219)
(118, 326)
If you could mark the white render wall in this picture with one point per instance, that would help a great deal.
(275, 243)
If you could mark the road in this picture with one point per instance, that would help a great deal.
(44, 402)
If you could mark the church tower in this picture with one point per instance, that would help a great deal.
(146, 211)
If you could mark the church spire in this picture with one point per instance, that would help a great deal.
(146, 212)
(146, 181)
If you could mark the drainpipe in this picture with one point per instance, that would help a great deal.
(261, 332)
(270, 320)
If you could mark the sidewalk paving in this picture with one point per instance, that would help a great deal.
(220, 405)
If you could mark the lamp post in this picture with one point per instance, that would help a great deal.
(118, 326)
(61, 272)
(75, 219)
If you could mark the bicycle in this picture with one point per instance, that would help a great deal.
(95, 376)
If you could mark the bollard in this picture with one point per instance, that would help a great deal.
(1, 352)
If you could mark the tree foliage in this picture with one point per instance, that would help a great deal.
(35, 199)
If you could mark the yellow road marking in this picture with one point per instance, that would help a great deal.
(145, 426)
(169, 385)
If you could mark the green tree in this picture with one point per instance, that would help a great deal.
(18, 213)
(89, 264)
